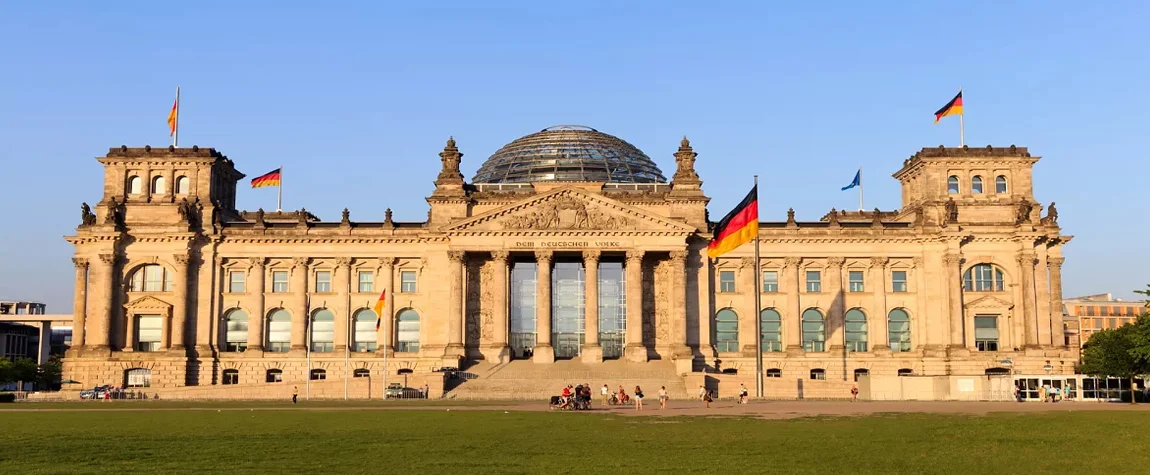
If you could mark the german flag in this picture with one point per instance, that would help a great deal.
(954, 107)
(379, 309)
(738, 227)
(174, 115)
(271, 178)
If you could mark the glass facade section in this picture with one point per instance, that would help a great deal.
(612, 308)
(567, 308)
(524, 289)
(569, 153)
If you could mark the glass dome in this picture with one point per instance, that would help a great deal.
(569, 153)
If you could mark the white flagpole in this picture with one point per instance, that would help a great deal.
(961, 126)
(348, 327)
(758, 290)
(860, 189)
(176, 132)
(307, 341)
(280, 191)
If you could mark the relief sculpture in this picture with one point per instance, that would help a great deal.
(486, 318)
(566, 212)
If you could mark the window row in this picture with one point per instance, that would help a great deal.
(856, 281)
(364, 329)
(976, 186)
(158, 185)
(365, 281)
(821, 374)
(814, 330)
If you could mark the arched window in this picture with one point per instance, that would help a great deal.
(855, 322)
(1000, 184)
(898, 330)
(138, 378)
(997, 371)
(407, 331)
(275, 376)
(819, 374)
(322, 331)
(134, 185)
(814, 331)
(771, 324)
(774, 373)
(362, 373)
(861, 372)
(976, 184)
(182, 185)
(318, 375)
(952, 185)
(151, 278)
(236, 330)
(279, 331)
(726, 330)
(365, 334)
(231, 376)
(158, 185)
(905, 372)
(983, 278)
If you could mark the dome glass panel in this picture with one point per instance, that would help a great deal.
(569, 153)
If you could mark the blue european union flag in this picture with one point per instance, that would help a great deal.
(856, 182)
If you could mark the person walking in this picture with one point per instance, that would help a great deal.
(707, 398)
(743, 393)
(638, 398)
(702, 392)
(854, 393)
(662, 397)
(294, 394)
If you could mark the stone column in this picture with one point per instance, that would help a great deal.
(544, 352)
(180, 305)
(384, 336)
(1026, 281)
(1049, 333)
(1053, 264)
(341, 286)
(455, 305)
(680, 352)
(833, 279)
(100, 335)
(952, 273)
(257, 312)
(79, 303)
(591, 352)
(635, 351)
(498, 351)
(299, 315)
(747, 311)
(878, 337)
(793, 316)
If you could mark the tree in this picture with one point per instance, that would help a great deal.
(50, 373)
(1121, 352)
(23, 369)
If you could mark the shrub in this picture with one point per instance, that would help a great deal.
(7, 397)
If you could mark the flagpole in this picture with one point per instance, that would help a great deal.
(961, 126)
(280, 192)
(386, 345)
(176, 132)
(758, 290)
(307, 349)
(860, 189)
(348, 328)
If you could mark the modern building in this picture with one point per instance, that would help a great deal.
(1099, 312)
(567, 244)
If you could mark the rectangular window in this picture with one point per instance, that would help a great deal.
(322, 282)
(814, 281)
(366, 282)
(1097, 323)
(1090, 310)
(407, 281)
(148, 330)
(855, 277)
(236, 282)
(898, 281)
(726, 281)
(770, 281)
(279, 281)
(154, 279)
(231, 377)
(1113, 322)
(986, 333)
(279, 336)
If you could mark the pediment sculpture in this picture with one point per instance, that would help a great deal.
(566, 213)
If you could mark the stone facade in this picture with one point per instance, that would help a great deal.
(172, 278)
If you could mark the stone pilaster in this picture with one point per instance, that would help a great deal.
(1033, 331)
(792, 318)
(384, 336)
(498, 351)
(879, 338)
(341, 286)
(591, 352)
(955, 320)
(455, 305)
(99, 335)
(79, 303)
(680, 352)
(635, 351)
(257, 311)
(747, 312)
(1050, 331)
(179, 323)
(299, 314)
(1054, 265)
(833, 280)
(544, 352)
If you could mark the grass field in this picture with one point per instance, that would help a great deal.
(482, 441)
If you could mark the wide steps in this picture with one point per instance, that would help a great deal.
(526, 380)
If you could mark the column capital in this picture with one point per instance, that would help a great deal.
(747, 262)
(500, 255)
(1026, 258)
(1055, 262)
(836, 261)
(257, 262)
(108, 259)
(591, 255)
(879, 261)
(299, 261)
(181, 259)
(343, 262)
(544, 255)
(80, 262)
(679, 257)
(635, 255)
(792, 261)
(917, 262)
(953, 259)
(456, 257)
(388, 261)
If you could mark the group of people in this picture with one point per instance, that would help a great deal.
(1049, 393)
(579, 397)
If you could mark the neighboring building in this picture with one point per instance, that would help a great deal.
(10, 307)
(568, 243)
(24, 325)
(1099, 312)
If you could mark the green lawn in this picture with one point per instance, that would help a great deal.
(442, 441)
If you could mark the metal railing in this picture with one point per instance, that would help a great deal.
(638, 187)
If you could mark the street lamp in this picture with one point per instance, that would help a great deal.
(1049, 368)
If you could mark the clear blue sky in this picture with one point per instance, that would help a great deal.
(356, 102)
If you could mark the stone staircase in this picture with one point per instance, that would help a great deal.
(525, 380)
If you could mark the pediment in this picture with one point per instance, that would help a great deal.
(568, 209)
(148, 303)
(989, 301)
